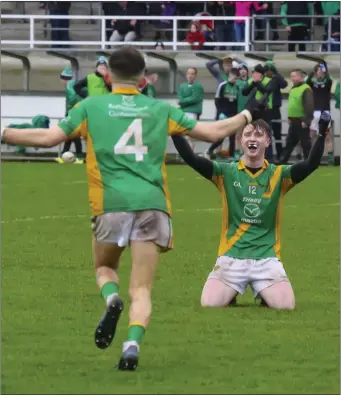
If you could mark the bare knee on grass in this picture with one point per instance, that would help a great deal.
(145, 257)
(106, 259)
(216, 294)
(279, 296)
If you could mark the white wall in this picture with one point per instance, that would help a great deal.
(20, 109)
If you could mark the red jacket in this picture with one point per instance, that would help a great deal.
(197, 37)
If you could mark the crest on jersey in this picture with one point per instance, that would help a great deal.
(128, 101)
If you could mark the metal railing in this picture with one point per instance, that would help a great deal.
(268, 30)
(175, 44)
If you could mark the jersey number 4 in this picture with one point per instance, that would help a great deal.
(122, 147)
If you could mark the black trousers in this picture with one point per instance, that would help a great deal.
(298, 33)
(78, 146)
(297, 134)
(277, 130)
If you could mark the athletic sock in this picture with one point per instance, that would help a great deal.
(108, 291)
(136, 333)
(330, 157)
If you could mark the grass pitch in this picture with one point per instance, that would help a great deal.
(50, 303)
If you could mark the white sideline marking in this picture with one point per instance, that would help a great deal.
(180, 210)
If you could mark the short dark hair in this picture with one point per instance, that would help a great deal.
(299, 71)
(259, 124)
(127, 62)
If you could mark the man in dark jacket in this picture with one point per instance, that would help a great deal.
(297, 25)
(124, 29)
(59, 27)
(276, 119)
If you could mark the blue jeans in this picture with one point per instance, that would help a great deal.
(239, 32)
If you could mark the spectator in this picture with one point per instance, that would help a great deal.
(279, 83)
(191, 97)
(337, 95)
(300, 115)
(242, 82)
(226, 104)
(332, 8)
(296, 26)
(208, 33)
(321, 84)
(95, 83)
(222, 72)
(242, 100)
(184, 8)
(146, 86)
(125, 30)
(223, 28)
(164, 8)
(195, 36)
(109, 8)
(260, 23)
(159, 46)
(243, 9)
(72, 99)
(59, 27)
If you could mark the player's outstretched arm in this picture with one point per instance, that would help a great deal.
(202, 165)
(302, 170)
(34, 137)
(216, 131)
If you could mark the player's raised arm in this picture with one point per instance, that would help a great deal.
(34, 137)
(202, 165)
(215, 131)
(302, 170)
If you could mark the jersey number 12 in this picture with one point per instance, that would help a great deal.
(122, 147)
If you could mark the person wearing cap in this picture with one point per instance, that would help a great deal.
(94, 82)
(275, 113)
(258, 85)
(72, 98)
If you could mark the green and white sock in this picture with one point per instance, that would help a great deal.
(108, 291)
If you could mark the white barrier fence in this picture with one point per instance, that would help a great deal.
(21, 109)
(174, 45)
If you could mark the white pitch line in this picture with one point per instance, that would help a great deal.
(180, 210)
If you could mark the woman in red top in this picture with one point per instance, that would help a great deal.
(195, 37)
(243, 8)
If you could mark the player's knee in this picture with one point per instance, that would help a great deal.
(282, 304)
(209, 300)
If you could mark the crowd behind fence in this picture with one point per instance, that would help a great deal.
(36, 36)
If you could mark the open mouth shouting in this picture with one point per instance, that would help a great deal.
(252, 147)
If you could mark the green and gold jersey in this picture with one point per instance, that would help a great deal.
(126, 135)
(252, 205)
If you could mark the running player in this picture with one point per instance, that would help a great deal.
(127, 134)
(252, 192)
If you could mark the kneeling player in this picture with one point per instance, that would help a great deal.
(252, 190)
